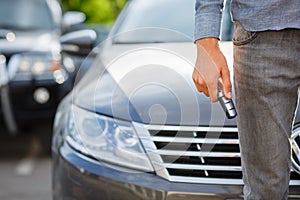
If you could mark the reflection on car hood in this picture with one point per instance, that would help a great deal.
(28, 41)
(149, 84)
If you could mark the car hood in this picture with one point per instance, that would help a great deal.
(22, 41)
(150, 84)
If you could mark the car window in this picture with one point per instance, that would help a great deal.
(160, 21)
(25, 15)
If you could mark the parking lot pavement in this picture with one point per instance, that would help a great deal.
(25, 165)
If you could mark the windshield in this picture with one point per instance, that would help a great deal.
(25, 15)
(162, 21)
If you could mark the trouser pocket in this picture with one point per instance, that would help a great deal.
(242, 36)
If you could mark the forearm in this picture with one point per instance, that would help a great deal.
(208, 19)
(210, 64)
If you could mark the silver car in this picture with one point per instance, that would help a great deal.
(135, 126)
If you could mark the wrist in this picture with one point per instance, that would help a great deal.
(210, 41)
(209, 44)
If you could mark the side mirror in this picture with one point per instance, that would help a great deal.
(72, 18)
(79, 43)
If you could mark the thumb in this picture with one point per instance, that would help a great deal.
(227, 87)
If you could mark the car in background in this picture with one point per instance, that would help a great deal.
(34, 76)
(79, 43)
(135, 126)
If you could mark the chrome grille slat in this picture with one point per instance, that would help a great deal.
(197, 153)
(191, 128)
(208, 155)
(200, 167)
(194, 140)
(206, 180)
(216, 180)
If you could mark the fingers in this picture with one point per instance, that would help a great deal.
(210, 89)
(227, 87)
(213, 92)
(202, 86)
(199, 82)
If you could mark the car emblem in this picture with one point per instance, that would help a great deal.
(295, 143)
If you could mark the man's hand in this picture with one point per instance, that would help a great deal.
(210, 66)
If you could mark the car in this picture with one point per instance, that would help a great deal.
(135, 127)
(34, 75)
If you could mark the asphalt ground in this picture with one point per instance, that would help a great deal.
(25, 164)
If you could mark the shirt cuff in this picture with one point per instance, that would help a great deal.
(207, 25)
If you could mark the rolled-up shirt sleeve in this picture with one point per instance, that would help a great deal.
(208, 18)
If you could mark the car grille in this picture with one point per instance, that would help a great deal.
(195, 154)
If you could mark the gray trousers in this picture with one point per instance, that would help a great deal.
(267, 76)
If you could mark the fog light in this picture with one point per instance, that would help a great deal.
(41, 95)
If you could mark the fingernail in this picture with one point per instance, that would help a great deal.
(229, 95)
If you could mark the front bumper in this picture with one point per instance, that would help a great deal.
(78, 177)
(22, 98)
(23, 110)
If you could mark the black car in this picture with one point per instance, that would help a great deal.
(135, 126)
(34, 76)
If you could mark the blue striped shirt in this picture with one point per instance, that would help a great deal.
(253, 15)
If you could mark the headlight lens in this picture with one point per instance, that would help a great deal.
(295, 144)
(107, 139)
(40, 65)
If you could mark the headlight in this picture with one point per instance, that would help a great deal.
(106, 139)
(40, 65)
(295, 144)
